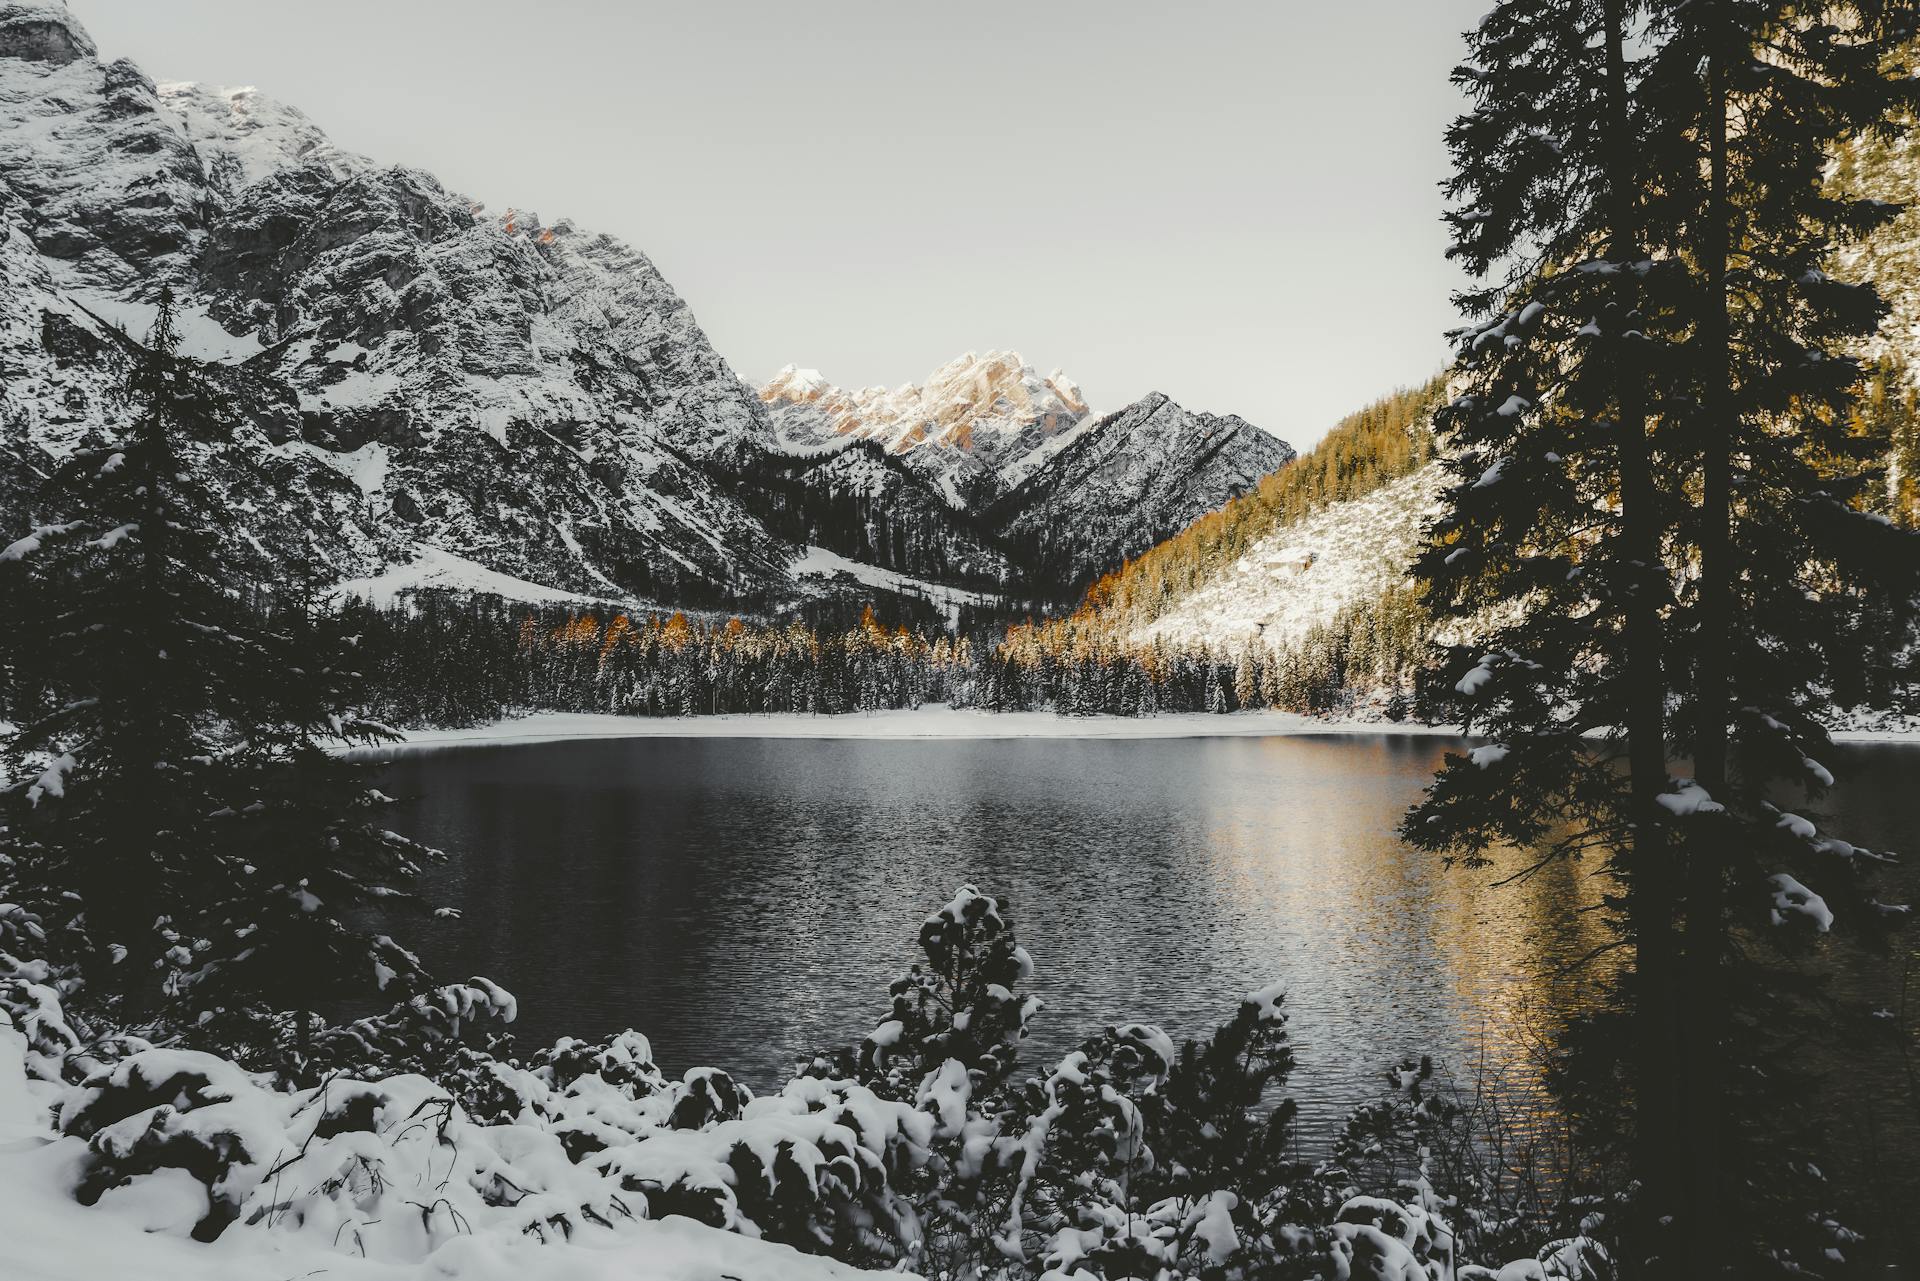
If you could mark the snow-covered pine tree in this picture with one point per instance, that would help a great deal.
(1752, 100)
(127, 622)
(176, 785)
(1554, 521)
(303, 862)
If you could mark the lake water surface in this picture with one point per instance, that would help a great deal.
(746, 901)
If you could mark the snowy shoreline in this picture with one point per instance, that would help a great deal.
(934, 721)
(939, 722)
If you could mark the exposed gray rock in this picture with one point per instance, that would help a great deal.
(1132, 479)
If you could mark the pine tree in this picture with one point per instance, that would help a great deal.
(178, 787)
(1246, 680)
(1758, 96)
(1657, 393)
(128, 622)
(1553, 517)
(302, 861)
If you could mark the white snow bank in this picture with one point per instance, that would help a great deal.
(50, 1237)
(932, 721)
(438, 568)
(340, 1203)
(366, 466)
(200, 335)
(818, 562)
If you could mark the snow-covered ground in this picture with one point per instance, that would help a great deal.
(938, 721)
(818, 562)
(1304, 573)
(136, 1232)
(932, 721)
(1895, 731)
(435, 567)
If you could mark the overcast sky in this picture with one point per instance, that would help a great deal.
(1232, 203)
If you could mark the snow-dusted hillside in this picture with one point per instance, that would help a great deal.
(546, 404)
(1304, 574)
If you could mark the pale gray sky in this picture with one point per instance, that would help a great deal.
(1231, 203)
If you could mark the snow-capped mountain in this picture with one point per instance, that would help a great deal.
(1127, 481)
(1060, 492)
(974, 428)
(412, 370)
(426, 390)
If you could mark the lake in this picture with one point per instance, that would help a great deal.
(744, 902)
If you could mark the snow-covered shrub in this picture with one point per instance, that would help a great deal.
(451, 1034)
(1128, 1159)
(961, 1004)
(1202, 1117)
(30, 1002)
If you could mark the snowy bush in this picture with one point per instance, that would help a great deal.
(1129, 1157)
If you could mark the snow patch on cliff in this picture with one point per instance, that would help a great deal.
(437, 568)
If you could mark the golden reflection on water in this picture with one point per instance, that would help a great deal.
(745, 902)
(1512, 963)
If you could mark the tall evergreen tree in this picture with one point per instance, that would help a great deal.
(128, 622)
(175, 781)
(1658, 396)
(1553, 521)
(1753, 99)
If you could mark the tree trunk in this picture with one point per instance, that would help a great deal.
(1652, 882)
(1704, 1101)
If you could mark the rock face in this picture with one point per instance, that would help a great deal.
(1061, 494)
(413, 377)
(967, 429)
(32, 33)
(538, 397)
(1128, 481)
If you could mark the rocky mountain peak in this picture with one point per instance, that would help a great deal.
(972, 427)
(967, 403)
(43, 32)
(1129, 480)
(244, 136)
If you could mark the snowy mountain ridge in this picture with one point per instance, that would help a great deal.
(412, 376)
(1062, 493)
(245, 137)
(546, 403)
(972, 429)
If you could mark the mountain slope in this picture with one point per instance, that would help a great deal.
(1022, 464)
(1304, 573)
(1128, 481)
(539, 399)
(1888, 169)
